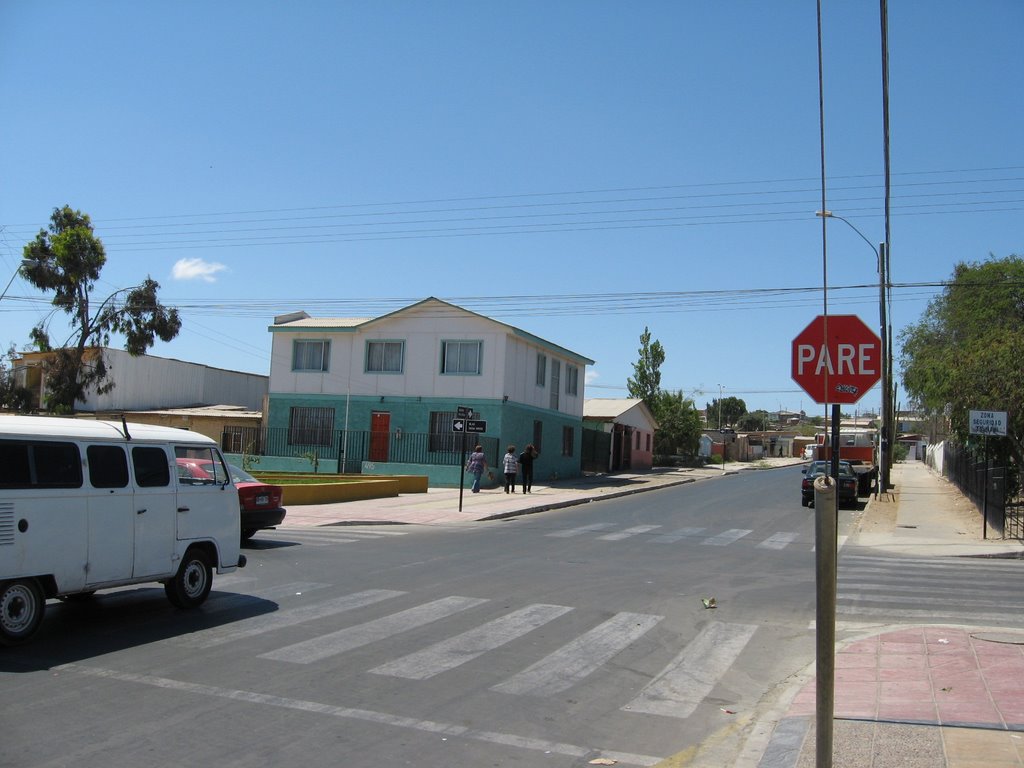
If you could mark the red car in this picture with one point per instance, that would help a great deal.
(259, 502)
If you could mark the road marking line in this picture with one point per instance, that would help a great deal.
(692, 675)
(467, 646)
(727, 537)
(574, 661)
(346, 639)
(258, 625)
(682, 533)
(778, 541)
(582, 529)
(363, 715)
(625, 534)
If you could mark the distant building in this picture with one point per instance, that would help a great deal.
(631, 425)
(146, 382)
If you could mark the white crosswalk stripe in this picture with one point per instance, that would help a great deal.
(258, 625)
(346, 639)
(581, 530)
(469, 645)
(326, 536)
(678, 535)
(625, 534)
(576, 660)
(691, 676)
(940, 590)
(727, 537)
(778, 541)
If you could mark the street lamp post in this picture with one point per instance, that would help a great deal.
(884, 441)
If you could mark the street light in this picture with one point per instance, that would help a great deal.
(887, 416)
(24, 263)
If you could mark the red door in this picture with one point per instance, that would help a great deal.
(380, 429)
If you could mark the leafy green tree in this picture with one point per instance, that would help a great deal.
(647, 370)
(755, 421)
(727, 412)
(12, 397)
(679, 425)
(68, 260)
(965, 352)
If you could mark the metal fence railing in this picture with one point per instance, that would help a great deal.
(992, 483)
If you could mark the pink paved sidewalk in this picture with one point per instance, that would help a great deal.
(935, 675)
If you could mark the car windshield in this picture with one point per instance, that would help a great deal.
(825, 468)
(239, 475)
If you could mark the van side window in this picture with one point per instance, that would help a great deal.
(199, 466)
(26, 464)
(108, 466)
(150, 465)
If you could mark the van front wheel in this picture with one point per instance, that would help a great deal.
(21, 610)
(191, 584)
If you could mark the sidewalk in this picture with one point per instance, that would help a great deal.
(918, 696)
(440, 506)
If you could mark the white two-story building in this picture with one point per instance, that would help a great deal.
(382, 394)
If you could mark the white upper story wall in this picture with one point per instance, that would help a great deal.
(499, 360)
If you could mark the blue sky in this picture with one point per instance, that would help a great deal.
(578, 169)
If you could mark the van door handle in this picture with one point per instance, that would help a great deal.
(140, 511)
(183, 509)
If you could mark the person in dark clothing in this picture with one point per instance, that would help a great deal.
(526, 464)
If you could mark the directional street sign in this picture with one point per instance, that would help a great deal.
(466, 426)
(463, 412)
(841, 368)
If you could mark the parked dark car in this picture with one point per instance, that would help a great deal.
(847, 482)
(259, 502)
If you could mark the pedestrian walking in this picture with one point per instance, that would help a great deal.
(526, 464)
(510, 465)
(476, 466)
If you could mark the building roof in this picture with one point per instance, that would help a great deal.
(608, 408)
(300, 321)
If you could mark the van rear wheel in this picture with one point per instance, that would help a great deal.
(21, 610)
(191, 584)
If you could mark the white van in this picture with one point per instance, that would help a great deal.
(87, 504)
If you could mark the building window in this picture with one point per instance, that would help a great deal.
(638, 439)
(385, 356)
(538, 435)
(310, 355)
(556, 378)
(310, 426)
(572, 380)
(568, 438)
(460, 357)
(542, 369)
(648, 442)
(441, 436)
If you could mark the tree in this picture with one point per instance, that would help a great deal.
(726, 411)
(965, 352)
(68, 260)
(755, 421)
(679, 425)
(647, 370)
(12, 396)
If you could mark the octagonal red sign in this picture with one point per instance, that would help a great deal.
(837, 359)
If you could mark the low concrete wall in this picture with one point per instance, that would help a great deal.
(355, 487)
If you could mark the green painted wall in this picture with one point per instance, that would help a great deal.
(512, 423)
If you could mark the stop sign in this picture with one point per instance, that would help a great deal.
(840, 368)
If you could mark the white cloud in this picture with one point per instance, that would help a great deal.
(197, 269)
(591, 376)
